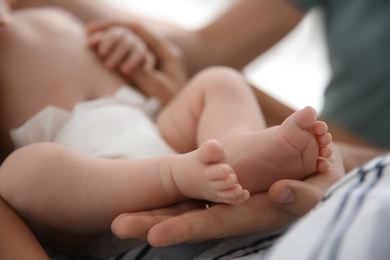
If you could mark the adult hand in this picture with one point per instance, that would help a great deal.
(168, 76)
(192, 222)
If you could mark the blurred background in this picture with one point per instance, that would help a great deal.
(295, 71)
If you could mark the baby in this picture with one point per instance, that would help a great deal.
(215, 143)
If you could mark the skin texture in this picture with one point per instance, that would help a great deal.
(16, 239)
(189, 42)
(204, 169)
(264, 211)
(266, 22)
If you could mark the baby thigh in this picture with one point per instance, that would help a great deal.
(36, 182)
(214, 104)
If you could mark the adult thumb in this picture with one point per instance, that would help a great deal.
(297, 197)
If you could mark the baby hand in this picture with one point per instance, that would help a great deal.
(122, 49)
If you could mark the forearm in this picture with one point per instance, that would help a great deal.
(16, 239)
(85, 10)
(246, 30)
(92, 10)
(235, 38)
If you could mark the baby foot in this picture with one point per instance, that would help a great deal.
(293, 150)
(299, 130)
(219, 177)
(211, 178)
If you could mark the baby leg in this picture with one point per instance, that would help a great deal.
(215, 104)
(293, 150)
(59, 191)
(218, 104)
(205, 174)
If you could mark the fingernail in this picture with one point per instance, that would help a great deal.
(286, 196)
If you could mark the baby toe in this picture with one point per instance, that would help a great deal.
(320, 128)
(224, 184)
(236, 195)
(241, 199)
(322, 165)
(232, 193)
(211, 151)
(324, 139)
(326, 151)
(218, 172)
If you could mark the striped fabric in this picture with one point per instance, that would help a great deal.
(352, 222)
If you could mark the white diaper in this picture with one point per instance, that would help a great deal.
(117, 126)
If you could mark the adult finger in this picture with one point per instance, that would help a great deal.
(221, 220)
(149, 62)
(137, 225)
(296, 196)
(299, 197)
(169, 55)
(100, 25)
(156, 84)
